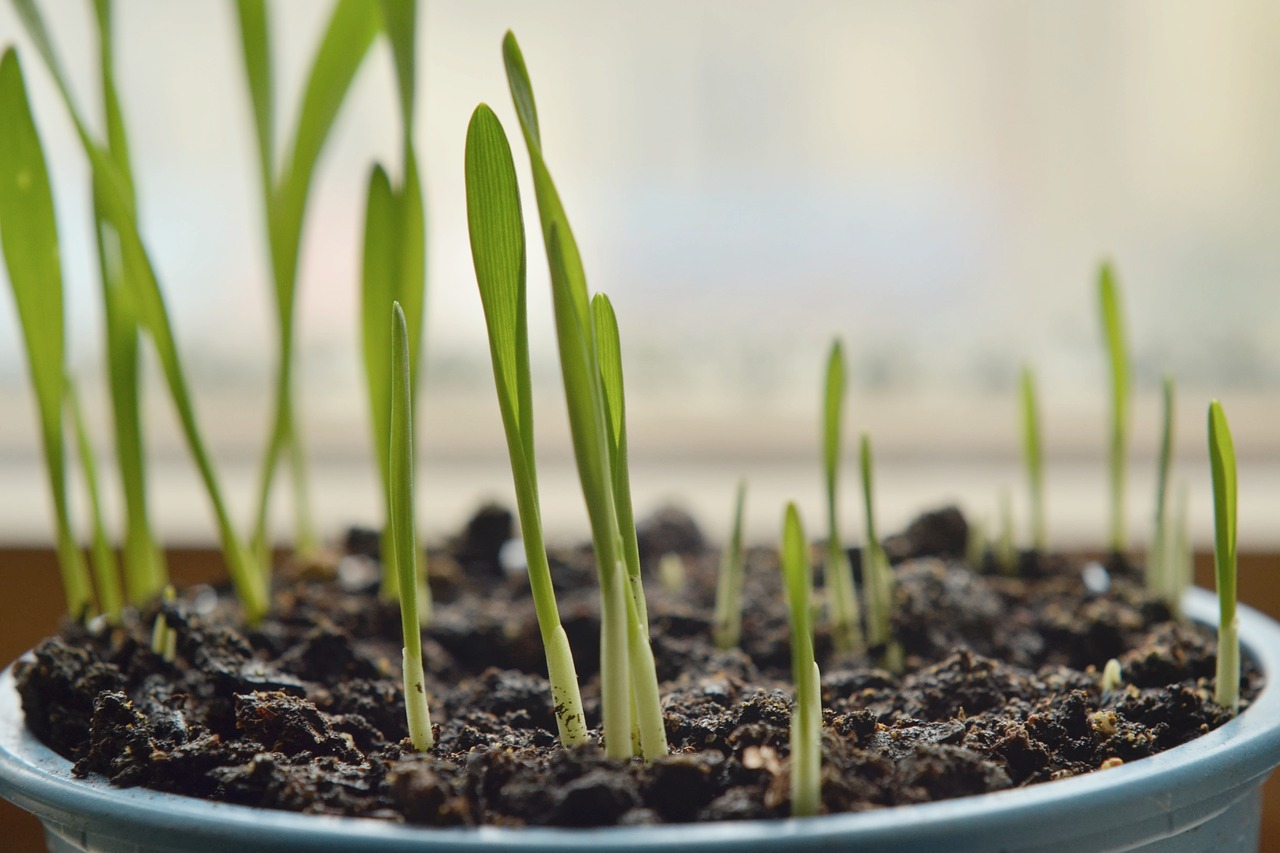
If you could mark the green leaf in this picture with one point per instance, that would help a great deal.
(255, 42)
(799, 584)
(1222, 461)
(1033, 458)
(29, 240)
(609, 356)
(106, 572)
(400, 20)
(377, 294)
(728, 610)
(833, 403)
(1118, 355)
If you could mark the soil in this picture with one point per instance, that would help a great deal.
(1000, 688)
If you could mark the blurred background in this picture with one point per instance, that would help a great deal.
(936, 183)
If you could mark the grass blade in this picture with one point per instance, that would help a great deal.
(255, 43)
(1163, 576)
(496, 228)
(876, 573)
(400, 454)
(28, 232)
(1033, 457)
(1118, 357)
(842, 600)
(727, 624)
(106, 573)
(400, 21)
(806, 717)
(1222, 461)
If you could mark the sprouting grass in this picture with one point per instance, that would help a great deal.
(1222, 461)
(1112, 676)
(496, 228)
(1163, 575)
(1118, 357)
(588, 421)
(394, 265)
(106, 572)
(145, 572)
(286, 186)
(727, 624)
(806, 715)
(403, 535)
(1006, 552)
(877, 576)
(1033, 457)
(842, 601)
(29, 235)
(143, 291)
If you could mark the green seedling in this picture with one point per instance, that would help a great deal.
(145, 572)
(29, 237)
(1033, 456)
(671, 573)
(727, 625)
(806, 714)
(1118, 356)
(1006, 553)
(498, 252)
(106, 572)
(842, 601)
(164, 639)
(111, 189)
(286, 186)
(394, 267)
(593, 443)
(1112, 676)
(976, 544)
(1164, 575)
(877, 576)
(404, 539)
(1222, 461)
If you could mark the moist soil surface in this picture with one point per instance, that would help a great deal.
(1000, 687)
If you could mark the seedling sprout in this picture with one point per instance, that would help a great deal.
(1164, 575)
(1118, 356)
(498, 252)
(1112, 676)
(403, 537)
(728, 613)
(1222, 461)
(1033, 456)
(842, 601)
(806, 714)
(102, 557)
(877, 576)
(1006, 553)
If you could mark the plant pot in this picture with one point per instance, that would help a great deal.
(1202, 796)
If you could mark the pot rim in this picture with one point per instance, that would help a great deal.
(1166, 793)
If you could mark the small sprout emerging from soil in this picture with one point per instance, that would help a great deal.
(498, 253)
(1165, 577)
(595, 441)
(877, 576)
(1222, 461)
(403, 537)
(842, 601)
(806, 714)
(671, 573)
(1033, 456)
(1112, 677)
(394, 269)
(1006, 552)
(286, 186)
(164, 639)
(1118, 357)
(728, 613)
(29, 235)
(976, 543)
(106, 572)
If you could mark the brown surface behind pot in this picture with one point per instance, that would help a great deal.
(35, 604)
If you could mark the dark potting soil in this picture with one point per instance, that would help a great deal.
(1000, 688)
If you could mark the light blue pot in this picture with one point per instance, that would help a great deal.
(1203, 796)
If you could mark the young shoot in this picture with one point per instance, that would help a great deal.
(1112, 676)
(1006, 553)
(1164, 574)
(976, 544)
(1118, 356)
(112, 192)
(102, 557)
(404, 539)
(877, 576)
(1222, 461)
(594, 441)
(286, 186)
(842, 601)
(727, 624)
(164, 638)
(806, 714)
(671, 573)
(496, 228)
(394, 267)
(1033, 456)
(29, 238)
